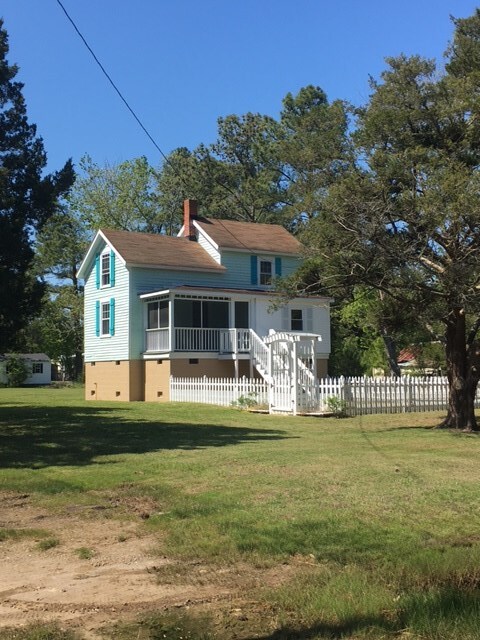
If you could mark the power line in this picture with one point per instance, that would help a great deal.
(230, 191)
(109, 78)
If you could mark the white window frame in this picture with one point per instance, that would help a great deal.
(105, 303)
(263, 274)
(105, 274)
(37, 367)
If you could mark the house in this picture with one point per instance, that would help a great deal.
(422, 359)
(199, 304)
(38, 365)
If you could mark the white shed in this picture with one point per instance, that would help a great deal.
(39, 367)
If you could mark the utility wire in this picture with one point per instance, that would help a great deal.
(124, 100)
(106, 74)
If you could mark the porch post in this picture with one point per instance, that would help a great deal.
(294, 379)
(171, 325)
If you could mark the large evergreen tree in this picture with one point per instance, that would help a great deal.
(27, 200)
(406, 219)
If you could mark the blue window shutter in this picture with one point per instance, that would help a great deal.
(112, 269)
(97, 271)
(112, 316)
(254, 269)
(278, 266)
(97, 318)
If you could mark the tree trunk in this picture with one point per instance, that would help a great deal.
(461, 378)
(391, 351)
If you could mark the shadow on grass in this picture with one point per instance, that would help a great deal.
(36, 437)
(344, 629)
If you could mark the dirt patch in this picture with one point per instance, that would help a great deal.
(100, 570)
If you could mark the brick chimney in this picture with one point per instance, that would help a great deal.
(189, 215)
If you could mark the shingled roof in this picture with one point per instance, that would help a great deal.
(249, 236)
(156, 250)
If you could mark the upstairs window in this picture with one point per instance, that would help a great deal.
(105, 269)
(266, 272)
(105, 266)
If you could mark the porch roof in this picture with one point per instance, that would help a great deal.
(222, 290)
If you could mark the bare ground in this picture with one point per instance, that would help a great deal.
(122, 579)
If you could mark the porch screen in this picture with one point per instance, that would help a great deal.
(206, 314)
(158, 314)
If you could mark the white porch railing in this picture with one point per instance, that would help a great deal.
(195, 339)
(260, 353)
(157, 340)
(235, 341)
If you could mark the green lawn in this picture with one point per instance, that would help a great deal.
(384, 510)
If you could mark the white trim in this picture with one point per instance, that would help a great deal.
(205, 235)
(92, 250)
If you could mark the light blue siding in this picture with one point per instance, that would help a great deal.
(114, 347)
(129, 322)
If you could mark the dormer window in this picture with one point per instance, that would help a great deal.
(265, 271)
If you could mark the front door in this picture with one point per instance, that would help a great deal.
(242, 319)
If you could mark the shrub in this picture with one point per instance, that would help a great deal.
(17, 371)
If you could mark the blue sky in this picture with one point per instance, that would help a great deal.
(182, 63)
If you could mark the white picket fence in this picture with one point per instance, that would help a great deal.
(358, 396)
(221, 391)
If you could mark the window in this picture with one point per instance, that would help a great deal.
(105, 269)
(37, 367)
(105, 265)
(296, 320)
(266, 272)
(105, 318)
(158, 315)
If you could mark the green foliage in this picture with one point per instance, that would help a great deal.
(48, 543)
(27, 200)
(403, 219)
(17, 370)
(337, 406)
(246, 402)
(120, 196)
(174, 625)
(84, 553)
(38, 632)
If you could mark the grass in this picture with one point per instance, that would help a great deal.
(48, 543)
(380, 516)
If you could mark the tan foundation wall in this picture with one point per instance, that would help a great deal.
(117, 380)
(322, 367)
(137, 380)
(157, 380)
(182, 368)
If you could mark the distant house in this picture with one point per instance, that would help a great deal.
(38, 364)
(199, 304)
(421, 359)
